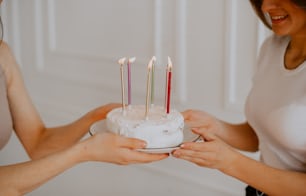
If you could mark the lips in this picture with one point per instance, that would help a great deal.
(278, 18)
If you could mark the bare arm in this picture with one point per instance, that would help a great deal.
(21, 178)
(24, 177)
(58, 138)
(37, 139)
(56, 149)
(214, 153)
(240, 136)
(270, 180)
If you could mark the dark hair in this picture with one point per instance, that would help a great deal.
(257, 7)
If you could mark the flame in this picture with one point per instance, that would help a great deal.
(169, 63)
(121, 61)
(132, 60)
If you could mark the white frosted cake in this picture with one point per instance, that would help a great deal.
(158, 130)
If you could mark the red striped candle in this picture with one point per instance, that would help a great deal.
(169, 76)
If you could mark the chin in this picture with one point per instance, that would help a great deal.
(280, 32)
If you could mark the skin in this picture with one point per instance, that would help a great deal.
(54, 150)
(288, 19)
(221, 139)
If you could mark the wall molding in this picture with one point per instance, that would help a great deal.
(180, 53)
(39, 36)
(10, 16)
(86, 86)
(230, 58)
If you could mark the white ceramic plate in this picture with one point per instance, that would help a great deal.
(100, 126)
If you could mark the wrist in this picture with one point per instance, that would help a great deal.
(222, 128)
(233, 164)
(79, 153)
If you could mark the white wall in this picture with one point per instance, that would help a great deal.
(68, 51)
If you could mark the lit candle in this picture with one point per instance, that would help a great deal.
(148, 88)
(152, 80)
(168, 95)
(131, 60)
(166, 85)
(121, 62)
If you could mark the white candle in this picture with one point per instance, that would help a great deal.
(148, 88)
(121, 62)
(130, 61)
(153, 80)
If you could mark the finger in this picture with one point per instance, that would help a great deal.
(121, 141)
(101, 112)
(196, 160)
(111, 106)
(195, 146)
(187, 114)
(149, 157)
(135, 156)
(132, 143)
(187, 155)
(206, 135)
(207, 146)
(197, 157)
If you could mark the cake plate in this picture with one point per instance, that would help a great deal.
(189, 136)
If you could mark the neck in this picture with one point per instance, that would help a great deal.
(298, 43)
(296, 52)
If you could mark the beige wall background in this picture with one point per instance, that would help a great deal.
(68, 52)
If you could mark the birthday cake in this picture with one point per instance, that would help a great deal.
(158, 129)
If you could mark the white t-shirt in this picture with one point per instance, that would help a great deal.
(276, 108)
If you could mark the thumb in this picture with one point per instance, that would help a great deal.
(132, 143)
(206, 135)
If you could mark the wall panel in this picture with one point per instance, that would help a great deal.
(68, 51)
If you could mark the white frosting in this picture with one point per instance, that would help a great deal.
(158, 130)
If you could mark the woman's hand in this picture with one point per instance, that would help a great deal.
(240, 136)
(112, 148)
(212, 152)
(202, 120)
(101, 112)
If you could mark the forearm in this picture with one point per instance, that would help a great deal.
(267, 179)
(24, 177)
(240, 136)
(58, 138)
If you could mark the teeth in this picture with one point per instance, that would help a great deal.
(278, 17)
